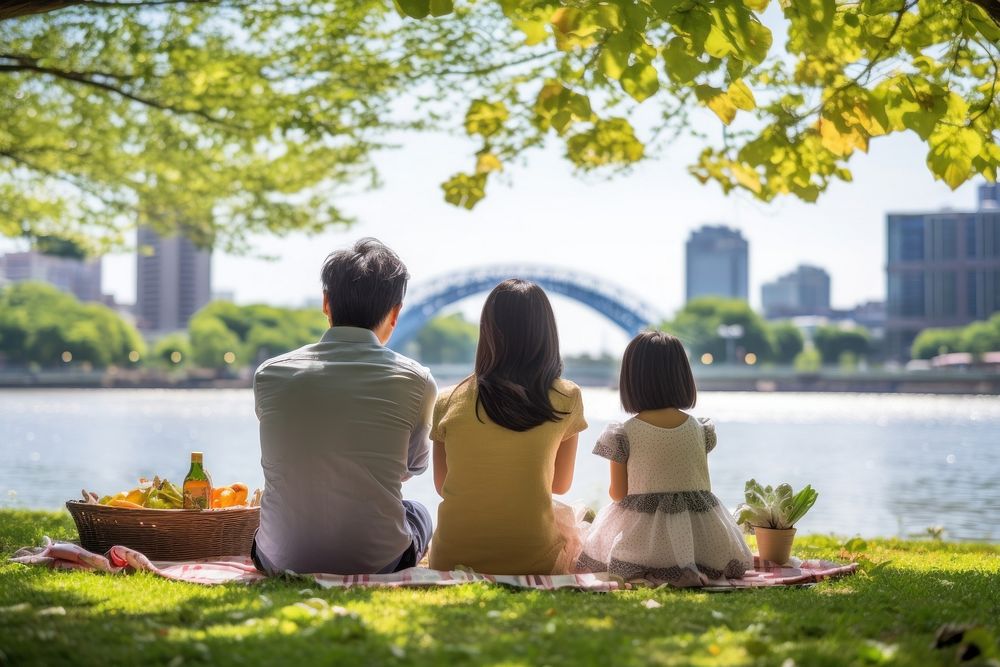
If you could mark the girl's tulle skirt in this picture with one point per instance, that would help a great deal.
(573, 529)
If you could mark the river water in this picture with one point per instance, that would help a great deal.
(884, 465)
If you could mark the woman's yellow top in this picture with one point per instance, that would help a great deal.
(496, 514)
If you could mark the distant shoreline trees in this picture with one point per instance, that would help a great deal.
(697, 325)
(976, 338)
(43, 326)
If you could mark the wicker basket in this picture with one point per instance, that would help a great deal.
(166, 534)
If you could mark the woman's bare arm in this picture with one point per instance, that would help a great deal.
(565, 465)
(440, 467)
(619, 481)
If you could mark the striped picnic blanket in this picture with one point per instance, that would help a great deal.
(62, 555)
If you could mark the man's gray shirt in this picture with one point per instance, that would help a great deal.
(343, 423)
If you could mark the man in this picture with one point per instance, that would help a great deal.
(343, 423)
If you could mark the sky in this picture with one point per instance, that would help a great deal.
(629, 230)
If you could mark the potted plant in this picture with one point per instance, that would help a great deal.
(771, 515)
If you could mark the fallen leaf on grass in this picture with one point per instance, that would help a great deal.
(651, 604)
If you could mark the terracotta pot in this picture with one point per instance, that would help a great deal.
(773, 544)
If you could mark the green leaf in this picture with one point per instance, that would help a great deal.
(485, 118)
(465, 190)
(876, 7)
(951, 154)
(736, 30)
(609, 17)
(983, 23)
(416, 9)
(567, 19)
(746, 176)
(488, 162)
(681, 66)
(718, 101)
(694, 24)
(614, 56)
(741, 96)
(718, 43)
(640, 81)
(441, 7)
(609, 142)
(535, 32)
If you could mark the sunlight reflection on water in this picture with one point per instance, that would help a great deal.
(883, 464)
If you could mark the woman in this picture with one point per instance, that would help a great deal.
(504, 442)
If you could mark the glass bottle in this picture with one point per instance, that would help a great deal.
(197, 485)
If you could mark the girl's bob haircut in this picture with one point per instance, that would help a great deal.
(656, 374)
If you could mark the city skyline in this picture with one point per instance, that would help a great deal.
(630, 230)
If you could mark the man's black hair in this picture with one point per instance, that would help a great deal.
(363, 284)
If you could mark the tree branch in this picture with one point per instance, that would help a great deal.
(26, 64)
(490, 69)
(14, 9)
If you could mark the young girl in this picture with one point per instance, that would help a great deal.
(665, 525)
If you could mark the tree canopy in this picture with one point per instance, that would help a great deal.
(217, 120)
(448, 339)
(794, 106)
(697, 325)
(41, 325)
(977, 338)
(225, 119)
(833, 343)
(223, 334)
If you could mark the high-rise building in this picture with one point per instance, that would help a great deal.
(804, 291)
(943, 269)
(717, 263)
(79, 277)
(173, 280)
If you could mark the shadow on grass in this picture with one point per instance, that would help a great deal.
(887, 618)
(887, 614)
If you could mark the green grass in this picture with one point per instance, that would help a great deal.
(886, 614)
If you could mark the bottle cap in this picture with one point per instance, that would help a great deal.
(196, 457)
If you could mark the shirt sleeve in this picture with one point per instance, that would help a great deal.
(708, 427)
(613, 443)
(575, 421)
(418, 453)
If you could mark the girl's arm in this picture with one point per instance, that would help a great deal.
(440, 467)
(619, 481)
(565, 464)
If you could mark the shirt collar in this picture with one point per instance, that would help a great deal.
(350, 335)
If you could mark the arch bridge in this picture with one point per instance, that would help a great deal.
(630, 313)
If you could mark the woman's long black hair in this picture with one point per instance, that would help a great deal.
(517, 359)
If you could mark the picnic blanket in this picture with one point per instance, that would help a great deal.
(68, 556)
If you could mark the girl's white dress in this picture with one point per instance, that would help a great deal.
(670, 527)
